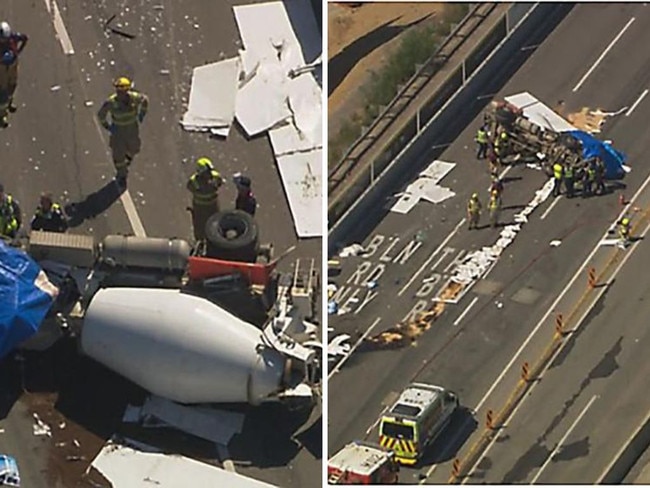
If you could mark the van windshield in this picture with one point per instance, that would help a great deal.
(397, 431)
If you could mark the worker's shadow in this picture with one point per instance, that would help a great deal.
(94, 204)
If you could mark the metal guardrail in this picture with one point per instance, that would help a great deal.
(410, 90)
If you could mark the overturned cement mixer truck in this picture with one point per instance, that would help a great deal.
(129, 302)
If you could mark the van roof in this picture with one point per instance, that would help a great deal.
(414, 399)
(360, 458)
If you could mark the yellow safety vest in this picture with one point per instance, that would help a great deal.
(557, 171)
(481, 137)
(202, 193)
(474, 206)
(124, 114)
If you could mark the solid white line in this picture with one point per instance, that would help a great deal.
(564, 438)
(426, 263)
(59, 26)
(132, 214)
(638, 101)
(611, 45)
(503, 173)
(462, 315)
(557, 300)
(345, 358)
(550, 207)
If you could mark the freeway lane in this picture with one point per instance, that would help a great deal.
(468, 357)
(54, 143)
(591, 399)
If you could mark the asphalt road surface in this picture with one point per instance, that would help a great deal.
(473, 347)
(55, 143)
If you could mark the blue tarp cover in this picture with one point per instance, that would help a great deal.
(9, 475)
(612, 158)
(23, 305)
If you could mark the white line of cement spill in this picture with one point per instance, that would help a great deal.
(564, 438)
(604, 53)
(637, 102)
(337, 368)
(59, 26)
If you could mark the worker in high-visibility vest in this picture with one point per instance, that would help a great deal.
(483, 141)
(599, 177)
(501, 145)
(204, 185)
(494, 207)
(474, 211)
(558, 176)
(10, 215)
(12, 44)
(568, 180)
(624, 231)
(127, 109)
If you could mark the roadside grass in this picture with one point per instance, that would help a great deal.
(416, 46)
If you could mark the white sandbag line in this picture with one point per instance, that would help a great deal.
(478, 264)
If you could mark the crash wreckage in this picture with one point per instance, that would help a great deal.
(146, 309)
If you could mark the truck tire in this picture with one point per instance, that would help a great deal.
(505, 117)
(233, 235)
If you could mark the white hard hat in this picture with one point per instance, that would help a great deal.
(5, 30)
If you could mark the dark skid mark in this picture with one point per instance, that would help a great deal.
(572, 451)
(533, 458)
(341, 64)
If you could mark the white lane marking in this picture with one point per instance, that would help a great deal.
(550, 310)
(426, 263)
(600, 58)
(564, 438)
(580, 320)
(638, 101)
(462, 315)
(550, 207)
(132, 214)
(345, 358)
(59, 26)
(620, 452)
(501, 176)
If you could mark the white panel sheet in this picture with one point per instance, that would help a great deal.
(538, 113)
(302, 178)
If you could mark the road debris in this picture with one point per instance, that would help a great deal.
(40, 427)
(355, 249)
(555, 243)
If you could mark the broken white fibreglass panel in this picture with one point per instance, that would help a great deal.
(538, 113)
(302, 178)
(425, 188)
(288, 140)
(212, 96)
(131, 464)
(218, 426)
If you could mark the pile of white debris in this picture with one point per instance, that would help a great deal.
(271, 87)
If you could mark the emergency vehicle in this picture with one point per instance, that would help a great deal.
(418, 416)
(362, 463)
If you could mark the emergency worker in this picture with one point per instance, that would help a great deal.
(501, 145)
(245, 199)
(494, 207)
(127, 109)
(588, 178)
(474, 211)
(558, 176)
(11, 45)
(568, 180)
(624, 231)
(599, 176)
(49, 215)
(10, 215)
(204, 185)
(483, 141)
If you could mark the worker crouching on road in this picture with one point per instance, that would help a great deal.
(473, 211)
(128, 109)
(49, 216)
(10, 215)
(245, 199)
(11, 45)
(624, 232)
(204, 185)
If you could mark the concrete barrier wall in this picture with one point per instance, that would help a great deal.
(540, 15)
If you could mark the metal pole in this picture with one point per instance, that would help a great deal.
(417, 122)
(372, 173)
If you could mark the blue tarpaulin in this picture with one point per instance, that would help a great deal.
(26, 295)
(9, 475)
(592, 147)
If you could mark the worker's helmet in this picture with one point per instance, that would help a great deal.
(504, 135)
(5, 30)
(203, 165)
(474, 196)
(625, 221)
(123, 83)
